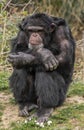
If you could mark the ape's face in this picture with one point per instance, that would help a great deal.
(36, 35)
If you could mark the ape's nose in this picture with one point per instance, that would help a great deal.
(35, 34)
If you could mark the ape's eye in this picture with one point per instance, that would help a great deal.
(40, 30)
(30, 30)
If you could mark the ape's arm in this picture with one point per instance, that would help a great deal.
(66, 47)
(63, 38)
(20, 59)
(43, 55)
(28, 57)
(20, 55)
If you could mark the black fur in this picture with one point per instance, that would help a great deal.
(33, 85)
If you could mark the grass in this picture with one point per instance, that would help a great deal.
(70, 116)
(1, 111)
(76, 89)
(67, 117)
(4, 80)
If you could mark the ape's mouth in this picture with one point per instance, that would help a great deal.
(34, 42)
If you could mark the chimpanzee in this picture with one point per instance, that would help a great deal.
(42, 56)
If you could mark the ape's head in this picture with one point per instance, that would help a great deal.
(38, 28)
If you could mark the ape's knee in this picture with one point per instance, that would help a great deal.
(18, 80)
(47, 90)
(18, 84)
(51, 89)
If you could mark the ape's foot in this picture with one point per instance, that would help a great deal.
(43, 116)
(24, 110)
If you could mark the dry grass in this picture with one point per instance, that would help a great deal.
(72, 11)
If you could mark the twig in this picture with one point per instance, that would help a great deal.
(7, 5)
(35, 10)
(17, 5)
(26, 5)
(80, 41)
(4, 53)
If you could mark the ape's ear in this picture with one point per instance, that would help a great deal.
(52, 27)
(20, 26)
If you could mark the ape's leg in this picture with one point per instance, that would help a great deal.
(50, 88)
(22, 85)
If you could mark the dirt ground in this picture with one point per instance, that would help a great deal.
(10, 113)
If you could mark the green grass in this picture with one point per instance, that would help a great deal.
(4, 76)
(67, 117)
(71, 115)
(1, 111)
(76, 89)
(63, 118)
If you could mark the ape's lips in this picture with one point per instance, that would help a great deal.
(34, 42)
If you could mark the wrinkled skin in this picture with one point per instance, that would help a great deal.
(46, 57)
(20, 58)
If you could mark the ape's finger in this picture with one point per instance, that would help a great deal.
(20, 53)
(56, 61)
(53, 62)
(10, 60)
(23, 113)
(9, 56)
(26, 113)
(13, 56)
(50, 66)
(46, 66)
(55, 67)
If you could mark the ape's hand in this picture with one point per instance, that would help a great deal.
(48, 59)
(20, 59)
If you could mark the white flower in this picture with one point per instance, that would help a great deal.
(41, 125)
(26, 121)
(49, 122)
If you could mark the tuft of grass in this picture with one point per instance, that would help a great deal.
(67, 117)
(1, 110)
(4, 76)
(61, 121)
(76, 89)
(12, 101)
(68, 113)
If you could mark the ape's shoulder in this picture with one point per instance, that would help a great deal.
(59, 21)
